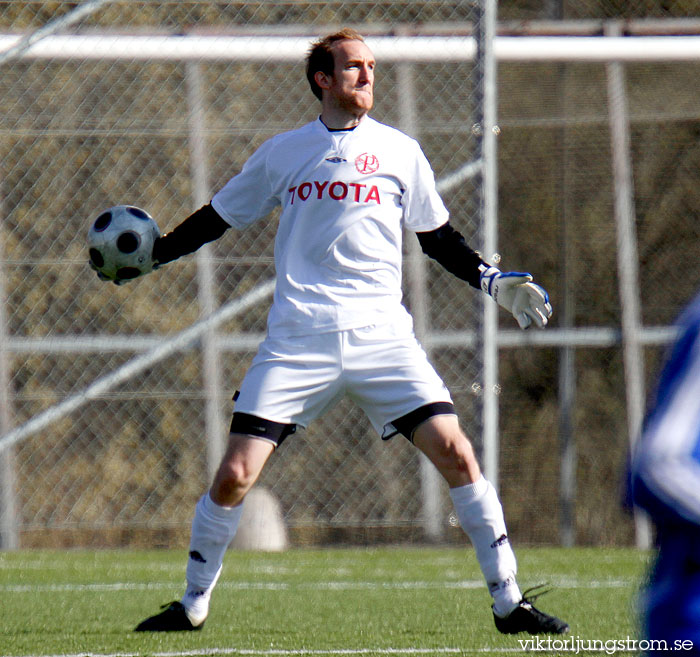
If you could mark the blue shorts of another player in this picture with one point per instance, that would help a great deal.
(671, 601)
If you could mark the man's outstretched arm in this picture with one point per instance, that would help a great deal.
(514, 291)
(202, 226)
(448, 247)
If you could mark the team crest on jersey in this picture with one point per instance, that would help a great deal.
(366, 163)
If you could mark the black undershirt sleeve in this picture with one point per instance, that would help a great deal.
(202, 226)
(447, 246)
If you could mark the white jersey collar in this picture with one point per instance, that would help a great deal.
(325, 128)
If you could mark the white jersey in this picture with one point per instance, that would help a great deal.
(345, 196)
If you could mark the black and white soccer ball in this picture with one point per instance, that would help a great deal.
(120, 243)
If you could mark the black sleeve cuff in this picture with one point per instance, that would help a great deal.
(202, 226)
(448, 247)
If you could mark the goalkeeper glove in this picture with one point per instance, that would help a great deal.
(515, 291)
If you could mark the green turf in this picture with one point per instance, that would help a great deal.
(341, 601)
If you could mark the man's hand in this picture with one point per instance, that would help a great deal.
(516, 292)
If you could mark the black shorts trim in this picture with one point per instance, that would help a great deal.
(407, 424)
(252, 425)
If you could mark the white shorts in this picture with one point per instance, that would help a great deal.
(383, 369)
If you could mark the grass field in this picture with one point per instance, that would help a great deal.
(389, 601)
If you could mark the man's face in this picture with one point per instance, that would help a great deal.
(352, 84)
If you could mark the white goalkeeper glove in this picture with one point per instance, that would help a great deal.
(515, 291)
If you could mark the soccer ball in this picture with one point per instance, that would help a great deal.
(120, 243)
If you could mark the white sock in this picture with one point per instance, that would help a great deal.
(213, 528)
(481, 516)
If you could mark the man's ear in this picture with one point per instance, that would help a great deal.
(322, 80)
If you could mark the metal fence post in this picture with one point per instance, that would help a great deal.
(8, 508)
(489, 128)
(627, 259)
(566, 313)
(211, 373)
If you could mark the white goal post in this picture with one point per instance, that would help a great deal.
(188, 47)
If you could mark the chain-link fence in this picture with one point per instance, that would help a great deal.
(596, 9)
(82, 134)
(79, 134)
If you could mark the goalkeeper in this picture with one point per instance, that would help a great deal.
(347, 185)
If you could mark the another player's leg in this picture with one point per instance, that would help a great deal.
(671, 597)
(481, 516)
(215, 523)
